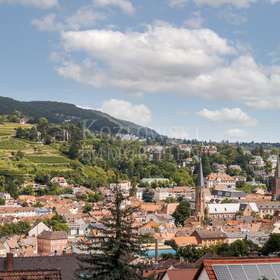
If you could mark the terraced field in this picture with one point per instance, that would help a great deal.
(9, 129)
(33, 157)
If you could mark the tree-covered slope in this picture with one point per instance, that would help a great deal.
(59, 112)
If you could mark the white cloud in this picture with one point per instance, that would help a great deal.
(163, 58)
(236, 133)
(152, 61)
(125, 5)
(121, 109)
(228, 115)
(42, 4)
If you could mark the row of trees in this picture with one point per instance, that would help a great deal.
(14, 229)
(10, 184)
(239, 248)
(45, 132)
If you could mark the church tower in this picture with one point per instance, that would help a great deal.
(276, 182)
(200, 196)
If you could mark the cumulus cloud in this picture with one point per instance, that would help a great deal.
(125, 110)
(228, 115)
(42, 4)
(125, 5)
(163, 58)
(149, 61)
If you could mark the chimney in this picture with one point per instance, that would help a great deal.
(9, 263)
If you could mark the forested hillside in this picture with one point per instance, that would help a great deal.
(58, 112)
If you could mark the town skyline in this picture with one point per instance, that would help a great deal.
(212, 68)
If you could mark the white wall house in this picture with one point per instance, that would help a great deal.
(221, 180)
(38, 229)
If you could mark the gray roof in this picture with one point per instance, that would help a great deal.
(209, 234)
(67, 264)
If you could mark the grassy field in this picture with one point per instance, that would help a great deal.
(47, 159)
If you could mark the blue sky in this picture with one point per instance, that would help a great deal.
(207, 69)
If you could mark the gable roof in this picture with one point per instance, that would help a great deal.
(180, 274)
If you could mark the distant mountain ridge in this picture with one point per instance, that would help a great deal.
(59, 112)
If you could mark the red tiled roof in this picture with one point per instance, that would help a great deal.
(185, 240)
(34, 275)
(53, 235)
(219, 176)
(179, 274)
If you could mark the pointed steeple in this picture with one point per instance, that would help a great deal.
(201, 176)
(200, 195)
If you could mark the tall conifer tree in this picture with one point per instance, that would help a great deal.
(113, 244)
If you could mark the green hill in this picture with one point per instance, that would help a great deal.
(59, 112)
(35, 155)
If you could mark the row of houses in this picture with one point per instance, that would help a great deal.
(230, 210)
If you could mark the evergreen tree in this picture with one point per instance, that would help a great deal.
(272, 245)
(206, 165)
(112, 245)
(182, 212)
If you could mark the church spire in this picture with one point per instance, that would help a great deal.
(200, 195)
(201, 177)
